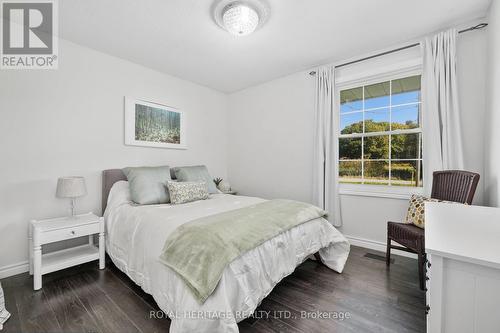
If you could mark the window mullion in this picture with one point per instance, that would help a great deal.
(390, 131)
(419, 161)
(395, 132)
(363, 142)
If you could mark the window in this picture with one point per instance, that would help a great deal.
(380, 139)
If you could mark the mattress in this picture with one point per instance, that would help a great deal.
(135, 236)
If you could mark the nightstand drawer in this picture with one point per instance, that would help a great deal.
(51, 236)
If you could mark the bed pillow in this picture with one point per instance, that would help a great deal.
(182, 192)
(148, 185)
(119, 194)
(195, 174)
(416, 211)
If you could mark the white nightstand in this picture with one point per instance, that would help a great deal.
(42, 232)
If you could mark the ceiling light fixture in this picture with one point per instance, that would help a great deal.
(240, 18)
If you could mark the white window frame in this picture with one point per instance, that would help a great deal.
(383, 191)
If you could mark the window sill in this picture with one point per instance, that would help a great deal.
(401, 193)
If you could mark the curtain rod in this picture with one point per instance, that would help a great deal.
(476, 27)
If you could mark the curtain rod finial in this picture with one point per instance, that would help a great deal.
(312, 73)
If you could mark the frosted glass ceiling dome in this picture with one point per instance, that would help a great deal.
(240, 18)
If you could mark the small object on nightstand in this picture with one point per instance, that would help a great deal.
(230, 192)
(224, 186)
(43, 232)
(71, 187)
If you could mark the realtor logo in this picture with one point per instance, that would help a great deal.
(29, 34)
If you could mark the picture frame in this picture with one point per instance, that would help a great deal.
(149, 124)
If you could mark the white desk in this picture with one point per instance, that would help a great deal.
(463, 249)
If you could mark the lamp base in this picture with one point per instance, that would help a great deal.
(73, 210)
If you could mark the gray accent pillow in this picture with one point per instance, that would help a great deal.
(182, 192)
(148, 185)
(195, 173)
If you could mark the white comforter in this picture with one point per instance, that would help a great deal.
(135, 238)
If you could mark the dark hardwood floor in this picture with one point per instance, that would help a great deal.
(85, 299)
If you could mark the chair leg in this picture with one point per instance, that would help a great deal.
(388, 252)
(421, 270)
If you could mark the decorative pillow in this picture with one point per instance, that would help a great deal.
(195, 174)
(182, 192)
(416, 209)
(148, 185)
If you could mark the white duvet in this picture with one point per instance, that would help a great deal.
(136, 235)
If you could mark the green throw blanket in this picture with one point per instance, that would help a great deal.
(200, 250)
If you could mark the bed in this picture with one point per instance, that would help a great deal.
(136, 235)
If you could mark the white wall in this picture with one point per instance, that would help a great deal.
(471, 62)
(492, 142)
(70, 122)
(271, 133)
(270, 138)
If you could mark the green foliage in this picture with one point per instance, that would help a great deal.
(350, 148)
(404, 170)
(402, 173)
(403, 146)
(377, 147)
(157, 125)
(376, 169)
(351, 169)
(159, 135)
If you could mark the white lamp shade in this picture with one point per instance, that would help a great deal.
(71, 187)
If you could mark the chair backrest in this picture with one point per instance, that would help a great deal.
(454, 185)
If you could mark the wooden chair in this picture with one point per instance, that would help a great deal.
(450, 185)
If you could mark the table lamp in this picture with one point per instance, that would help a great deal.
(72, 188)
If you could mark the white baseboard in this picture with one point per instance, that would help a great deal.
(14, 269)
(377, 246)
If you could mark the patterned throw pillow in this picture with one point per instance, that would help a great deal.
(182, 192)
(416, 212)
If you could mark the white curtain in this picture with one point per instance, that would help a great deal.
(325, 173)
(442, 141)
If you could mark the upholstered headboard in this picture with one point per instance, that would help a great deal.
(109, 178)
